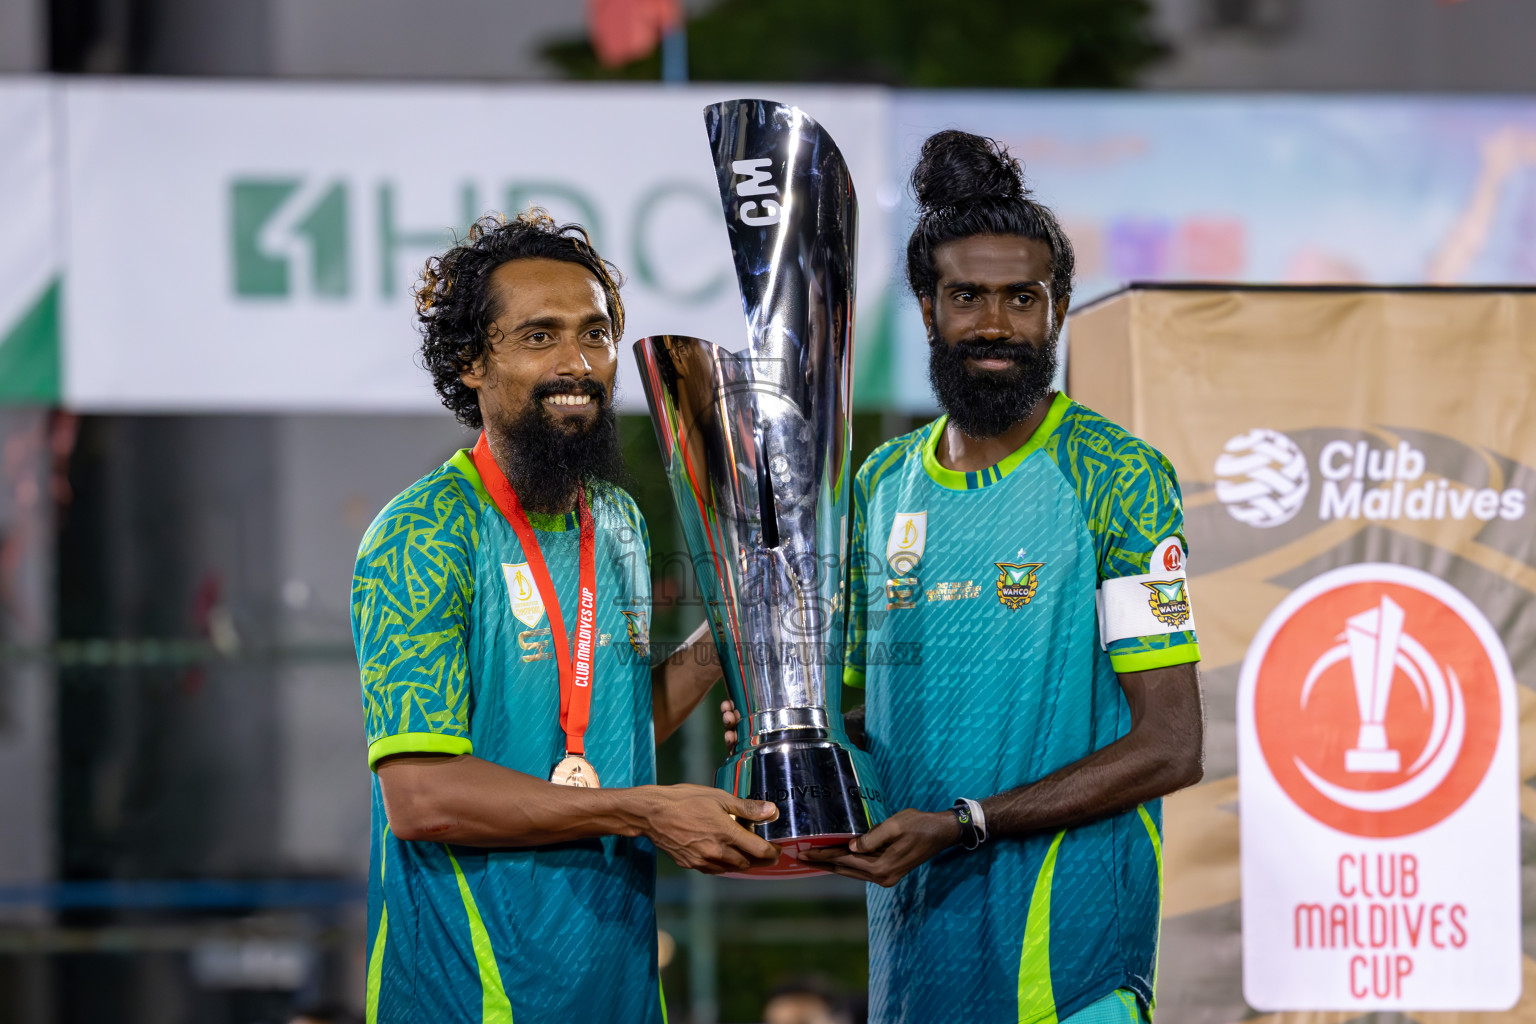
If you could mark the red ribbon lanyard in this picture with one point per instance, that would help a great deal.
(575, 673)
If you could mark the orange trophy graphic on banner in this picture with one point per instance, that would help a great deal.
(1374, 641)
(1363, 716)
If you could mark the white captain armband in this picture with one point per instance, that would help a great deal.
(1152, 604)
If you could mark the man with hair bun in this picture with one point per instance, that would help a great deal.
(499, 609)
(1033, 552)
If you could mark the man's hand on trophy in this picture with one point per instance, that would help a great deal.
(853, 724)
(696, 826)
(729, 716)
(887, 852)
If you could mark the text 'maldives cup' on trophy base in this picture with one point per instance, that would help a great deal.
(756, 446)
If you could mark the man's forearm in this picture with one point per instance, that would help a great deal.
(1161, 753)
(1108, 781)
(681, 681)
(473, 802)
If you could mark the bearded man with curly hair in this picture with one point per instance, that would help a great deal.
(499, 611)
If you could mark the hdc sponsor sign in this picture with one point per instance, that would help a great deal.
(254, 247)
(1378, 785)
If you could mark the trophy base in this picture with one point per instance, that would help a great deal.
(789, 865)
(824, 790)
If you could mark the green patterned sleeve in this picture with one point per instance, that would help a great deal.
(1145, 606)
(411, 595)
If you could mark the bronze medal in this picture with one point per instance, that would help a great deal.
(574, 771)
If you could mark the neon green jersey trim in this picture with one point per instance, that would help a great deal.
(464, 462)
(376, 962)
(495, 1008)
(1141, 661)
(853, 677)
(376, 966)
(958, 481)
(1157, 851)
(1037, 1000)
(417, 743)
(662, 992)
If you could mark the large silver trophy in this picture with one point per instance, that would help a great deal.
(756, 446)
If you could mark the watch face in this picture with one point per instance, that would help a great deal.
(968, 836)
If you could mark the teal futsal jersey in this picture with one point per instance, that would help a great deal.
(457, 658)
(989, 615)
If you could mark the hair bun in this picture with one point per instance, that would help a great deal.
(957, 168)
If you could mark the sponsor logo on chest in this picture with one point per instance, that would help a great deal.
(639, 637)
(1017, 582)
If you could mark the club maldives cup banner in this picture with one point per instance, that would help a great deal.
(1357, 474)
(1376, 726)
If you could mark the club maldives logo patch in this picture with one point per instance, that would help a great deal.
(527, 604)
(1169, 602)
(909, 536)
(1017, 583)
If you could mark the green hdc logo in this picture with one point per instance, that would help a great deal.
(291, 237)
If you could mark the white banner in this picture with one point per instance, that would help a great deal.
(1378, 785)
(29, 260)
(253, 247)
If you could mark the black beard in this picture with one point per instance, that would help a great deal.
(547, 459)
(986, 403)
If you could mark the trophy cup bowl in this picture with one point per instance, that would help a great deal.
(756, 446)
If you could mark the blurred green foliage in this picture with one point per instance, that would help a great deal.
(1003, 44)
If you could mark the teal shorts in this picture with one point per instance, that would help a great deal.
(1119, 1007)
